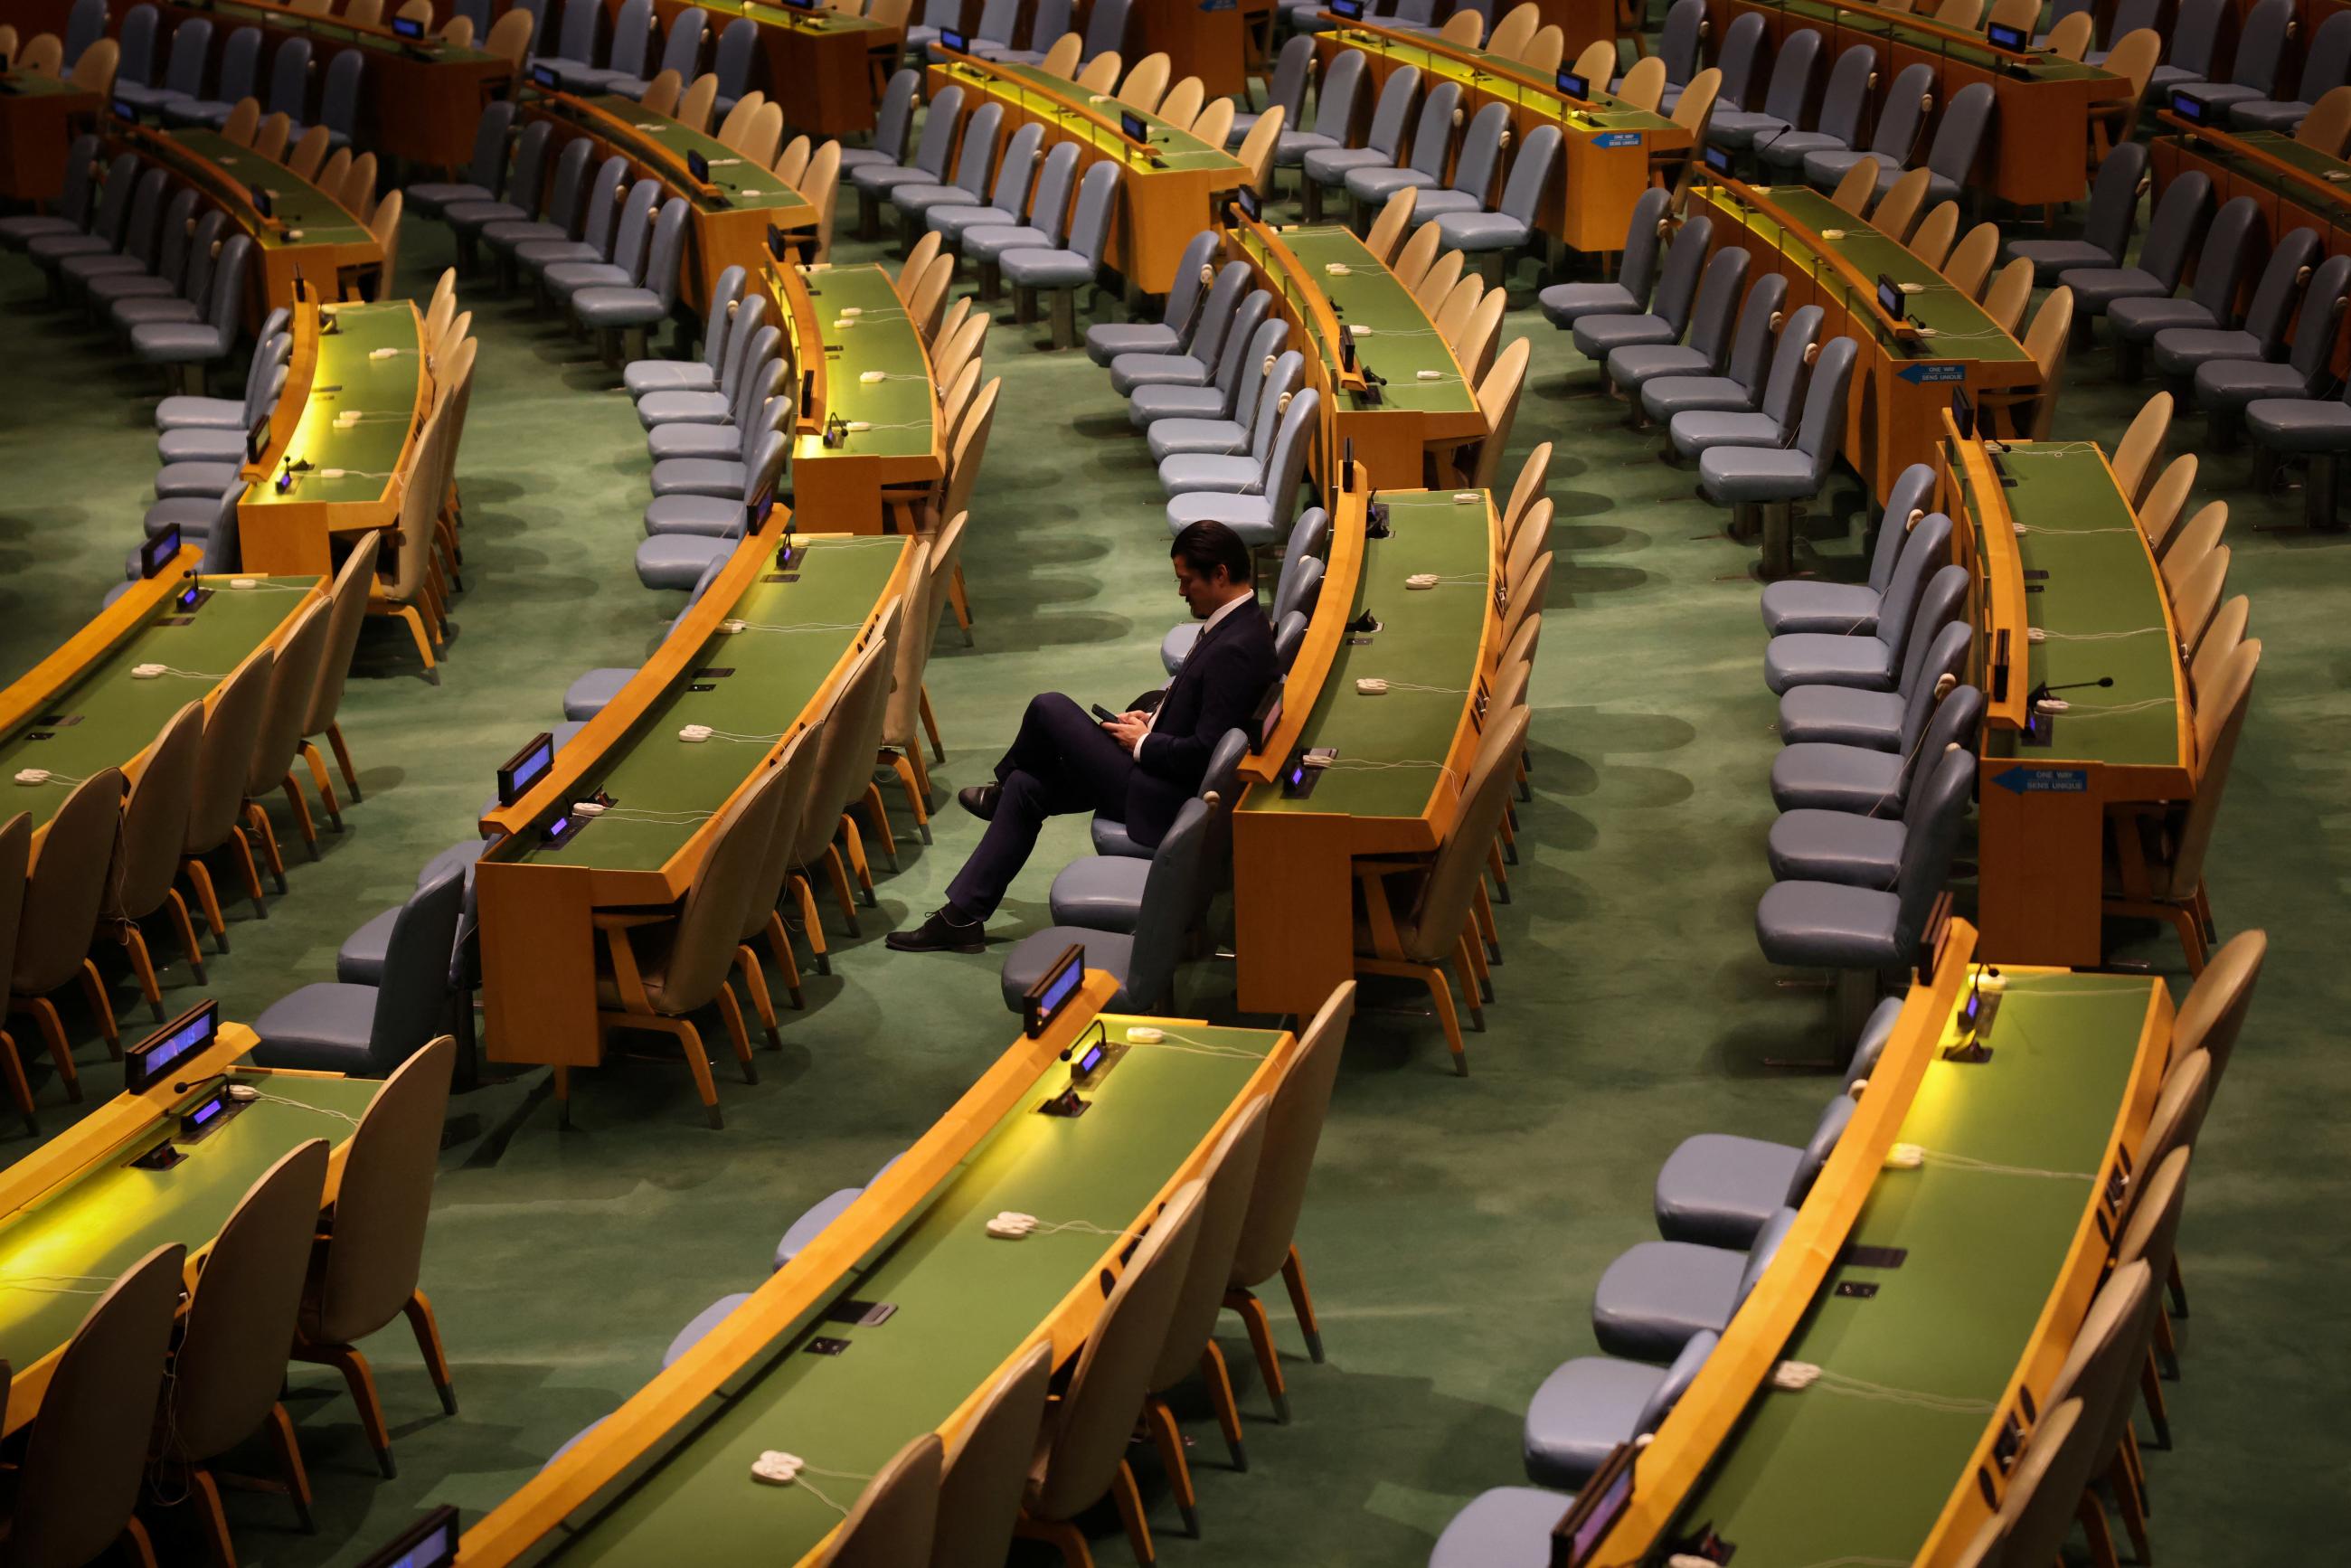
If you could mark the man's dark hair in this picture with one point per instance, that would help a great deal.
(1204, 547)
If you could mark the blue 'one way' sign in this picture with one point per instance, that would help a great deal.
(2043, 780)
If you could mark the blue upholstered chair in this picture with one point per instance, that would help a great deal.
(1655, 1298)
(1599, 333)
(1191, 364)
(232, 413)
(2106, 226)
(1327, 167)
(1286, 91)
(681, 52)
(1007, 198)
(240, 63)
(186, 349)
(874, 182)
(1951, 155)
(1048, 202)
(1735, 126)
(1173, 332)
(1858, 850)
(891, 120)
(579, 203)
(1707, 344)
(632, 310)
(1717, 1189)
(733, 62)
(762, 400)
(1848, 657)
(1244, 472)
(1143, 962)
(2232, 247)
(135, 248)
(1881, 721)
(1425, 166)
(1336, 102)
(2181, 215)
(814, 1218)
(1296, 588)
(975, 158)
(1061, 271)
(573, 58)
(1814, 774)
(2179, 351)
(1262, 519)
(524, 191)
(2254, 62)
(746, 348)
(701, 373)
(1847, 607)
(1590, 1407)
(368, 1030)
(2226, 387)
(1493, 235)
(1771, 481)
(1843, 101)
(76, 204)
(2325, 66)
(486, 175)
(1255, 336)
(1107, 892)
(1502, 1527)
(624, 265)
(1891, 143)
(50, 249)
(338, 99)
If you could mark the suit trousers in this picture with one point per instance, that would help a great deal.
(1062, 761)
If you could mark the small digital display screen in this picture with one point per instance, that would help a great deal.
(1269, 718)
(203, 1115)
(1593, 1526)
(561, 829)
(153, 1059)
(256, 440)
(160, 551)
(431, 1544)
(808, 393)
(1719, 159)
(544, 75)
(2190, 108)
(1047, 997)
(955, 43)
(284, 481)
(261, 203)
(759, 509)
(1889, 297)
(126, 111)
(2003, 36)
(802, 5)
(525, 769)
(1574, 85)
(1347, 10)
(776, 245)
(408, 27)
(1963, 414)
(1136, 127)
(698, 166)
(1091, 1059)
(1253, 205)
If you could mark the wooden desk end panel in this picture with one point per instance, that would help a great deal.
(839, 492)
(539, 963)
(2040, 853)
(1292, 909)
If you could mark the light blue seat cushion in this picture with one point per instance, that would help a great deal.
(712, 518)
(1789, 152)
(2051, 257)
(1563, 304)
(1597, 336)
(1581, 1413)
(2268, 114)
(2138, 320)
(1655, 1296)
(1251, 517)
(1827, 659)
(1480, 231)
(953, 223)
(2299, 425)
(1108, 341)
(106, 293)
(608, 308)
(145, 310)
(1819, 925)
(713, 477)
(708, 1318)
(476, 215)
(322, 1027)
(200, 445)
(679, 406)
(185, 413)
(1185, 471)
(196, 481)
(1176, 646)
(716, 443)
(678, 560)
(1433, 204)
(2233, 383)
(1128, 371)
(2180, 350)
(586, 697)
(1702, 429)
(176, 342)
(1717, 1189)
(1150, 404)
(1663, 398)
(647, 376)
(1032, 268)
(1508, 1527)
(1759, 475)
(1815, 775)
(1217, 437)
(1838, 609)
(1808, 845)
(1330, 165)
(1101, 893)
(1841, 715)
(194, 516)
(429, 196)
(572, 1441)
(1629, 367)
(993, 242)
(813, 1222)
(1038, 951)
(1371, 187)
(569, 277)
(513, 234)
(360, 960)
(2097, 287)
(1738, 127)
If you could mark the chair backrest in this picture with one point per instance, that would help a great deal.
(383, 1197)
(2158, 510)
(1106, 28)
(2044, 1494)
(231, 1360)
(16, 852)
(2221, 640)
(2319, 322)
(1821, 425)
(2278, 294)
(1102, 72)
(894, 1520)
(155, 817)
(1677, 281)
(1515, 31)
(87, 1448)
(2045, 344)
(1145, 83)
(1545, 49)
(136, 43)
(290, 74)
(1337, 99)
(1834, 1121)
(1391, 109)
(1050, 202)
(1905, 114)
(509, 36)
(1932, 240)
(1182, 104)
(1958, 139)
(1481, 150)
(2181, 215)
(2151, 1223)
(1899, 208)
(1717, 297)
(1460, 862)
(1846, 97)
(739, 48)
(979, 1493)
(1432, 137)
(291, 680)
(976, 154)
(2113, 201)
(1644, 84)
(1792, 70)
(1742, 44)
(347, 600)
(577, 42)
(1170, 900)
(1764, 1248)
(1530, 175)
(67, 886)
(1680, 1375)
(1292, 443)
(1905, 502)
(1791, 360)
(2230, 247)
(2260, 45)
(1106, 1390)
(2327, 126)
(2186, 550)
(408, 1000)
(2213, 1014)
(819, 186)
(2102, 1369)
(1229, 1176)
(1293, 1128)
(2220, 717)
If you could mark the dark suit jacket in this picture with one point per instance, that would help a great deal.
(1218, 689)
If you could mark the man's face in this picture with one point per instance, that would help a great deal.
(1201, 595)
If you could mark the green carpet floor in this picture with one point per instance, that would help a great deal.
(1456, 1227)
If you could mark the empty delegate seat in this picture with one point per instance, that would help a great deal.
(1845, 609)
(1739, 387)
(2226, 387)
(1564, 304)
(1658, 1295)
(1590, 1407)
(2173, 232)
(1599, 335)
(2106, 226)
(1871, 657)
(2230, 247)
(1719, 1189)
(2179, 351)
(2325, 66)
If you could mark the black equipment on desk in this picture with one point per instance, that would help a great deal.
(1253, 205)
(409, 27)
(1347, 10)
(1890, 299)
(1963, 414)
(2192, 109)
(430, 1545)
(126, 111)
(544, 75)
(160, 551)
(261, 201)
(1043, 1002)
(1572, 85)
(150, 1062)
(1717, 159)
(955, 43)
(1133, 127)
(525, 767)
(1596, 1507)
(1267, 718)
(698, 166)
(2002, 35)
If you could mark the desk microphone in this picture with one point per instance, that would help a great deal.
(2044, 689)
(1365, 623)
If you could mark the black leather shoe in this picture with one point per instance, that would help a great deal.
(941, 933)
(980, 800)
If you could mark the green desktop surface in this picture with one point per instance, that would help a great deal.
(1507, 80)
(879, 338)
(355, 423)
(106, 715)
(964, 1302)
(300, 208)
(1858, 1467)
(1428, 638)
(1393, 337)
(1039, 92)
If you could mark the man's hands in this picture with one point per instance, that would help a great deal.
(1128, 729)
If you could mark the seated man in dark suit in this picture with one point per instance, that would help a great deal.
(1139, 767)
